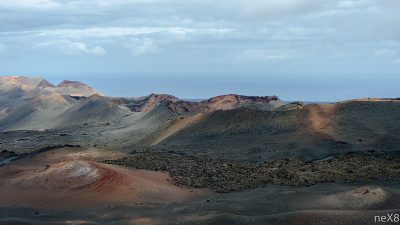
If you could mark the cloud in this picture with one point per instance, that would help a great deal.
(29, 4)
(208, 32)
(72, 48)
(3, 48)
(397, 61)
(143, 47)
(78, 47)
(112, 32)
(384, 52)
(351, 4)
(390, 4)
(278, 8)
(260, 55)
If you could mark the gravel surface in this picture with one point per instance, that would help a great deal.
(228, 176)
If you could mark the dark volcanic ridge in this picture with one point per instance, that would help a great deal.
(176, 105)
(228, 176)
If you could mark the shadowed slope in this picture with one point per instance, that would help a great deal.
(41, 112)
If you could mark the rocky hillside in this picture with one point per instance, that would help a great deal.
(33, 103)
(176, 105)
(291, 131)
(72, 88)
(34, 86)
(232, 101)
(149, 103)
(224, 127)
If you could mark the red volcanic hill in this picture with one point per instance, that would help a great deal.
(68, 83)
(223, 102)
(233, 101)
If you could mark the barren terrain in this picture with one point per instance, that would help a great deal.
(70, 155)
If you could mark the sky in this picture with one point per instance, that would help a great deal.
(319, 50)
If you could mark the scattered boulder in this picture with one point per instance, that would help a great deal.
(291, 106)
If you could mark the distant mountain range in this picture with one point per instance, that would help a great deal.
(35, 103)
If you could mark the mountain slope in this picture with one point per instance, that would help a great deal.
(310, 132)
(42, 112)
(8, 83)
(37, 86)
(94, 109)
(179, 106)
(228, 126)
(34, 103)
(232, 101)
(73, 88)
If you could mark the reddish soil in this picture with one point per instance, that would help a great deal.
(65, 178)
